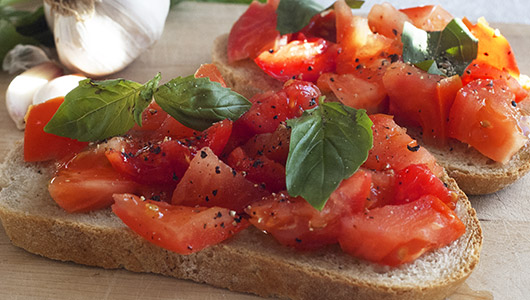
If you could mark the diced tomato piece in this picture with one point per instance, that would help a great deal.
(210, 182)
(355, 92)
(415, 181)
(152, 163)
(87, 183)
(394, 149)
(493, 47)
(254, 31)
(42, 146)
(295, 223)
(216, 137)
(299, 59)
(429, 17)
(481, 70)
(385, 19)
(210, 71)
(484, 116)
(270, 109)
(421, 99)
(382, 188)
(397, 234)
(273, 145)
(259, 169)
(358, 43)
(322, 26)
(180, 229)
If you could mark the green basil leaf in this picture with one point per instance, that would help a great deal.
(146, 96)
(453, 48)
(96, 110)
(293, 15)
(328, 144)
(198, 102)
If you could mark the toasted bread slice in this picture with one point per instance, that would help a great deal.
(474, 173)
(250, 262)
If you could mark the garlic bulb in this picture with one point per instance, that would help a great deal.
(20, 92)
(100, 37)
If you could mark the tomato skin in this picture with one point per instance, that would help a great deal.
(483, 116)
(270, 109)
(355, 92)
(87, 182)
(293, 222)
(385, 19)
(358, 43)
(211, 72)
(162, 163)
(481, 70)
(180, 229)
(273, 145)
(243, 42)
(302, 59)
(429, 17)
(322, 26)
(415, 181)
(417, 98)
(259, 169)
(210, 182)
(493, 48)
(43, 146)
(394, 149)
(397, 234)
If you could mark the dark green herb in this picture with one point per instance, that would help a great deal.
(328, 144)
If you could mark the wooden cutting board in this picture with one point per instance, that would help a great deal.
(186, 43)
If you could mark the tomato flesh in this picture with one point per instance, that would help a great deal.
(385, 19)
(415, 181)
(43, 146)
(293, 222)
(270, 109)
(493, 47)
(483, 116)
(243, 42)
(397, 234)
(87, 183)
(210, 182)
(180, 229)
(300, 59)
(429, 17)
(394, 149)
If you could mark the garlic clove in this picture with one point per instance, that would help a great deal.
(23, 57)
(57, 87)
(19, 94)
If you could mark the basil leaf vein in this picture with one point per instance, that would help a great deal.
(96, 110)
(328, 144)
(197, 103)
(453, 48)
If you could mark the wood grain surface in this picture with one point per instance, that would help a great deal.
(502, 272)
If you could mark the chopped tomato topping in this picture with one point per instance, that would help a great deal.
(484, 116)
(300, 59)
(180, 229)
(42, 146)
(397, 234)
(493, 48)
(385, 19)
(429, 17)
(211, 182)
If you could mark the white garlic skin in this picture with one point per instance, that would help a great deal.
(57, 87)
(20, 92)
(107, 38)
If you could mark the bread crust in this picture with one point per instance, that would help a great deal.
(474, 173)
(250, 262)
